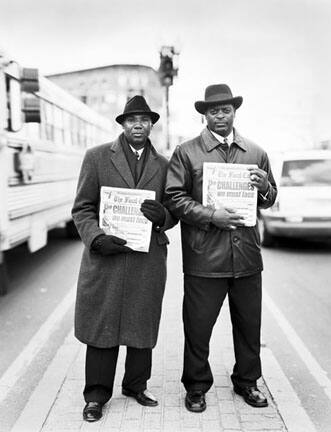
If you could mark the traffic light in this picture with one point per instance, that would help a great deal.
(167, 71)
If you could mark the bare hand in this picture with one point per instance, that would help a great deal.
(227, 218)
(259, 179)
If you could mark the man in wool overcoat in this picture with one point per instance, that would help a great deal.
(120, 291)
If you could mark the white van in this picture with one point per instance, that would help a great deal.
(303, 205)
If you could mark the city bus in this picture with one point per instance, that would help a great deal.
(44, 133)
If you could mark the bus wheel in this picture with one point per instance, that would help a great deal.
(267, 239)
(71, 230)
(3, 276)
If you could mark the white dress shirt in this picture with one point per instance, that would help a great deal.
(138, 151)
(221, 139)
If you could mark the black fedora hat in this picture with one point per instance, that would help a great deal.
(137, 105)
(218, 94)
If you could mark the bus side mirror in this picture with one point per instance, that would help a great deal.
(31, 109)
(30, 80)
(31, 103)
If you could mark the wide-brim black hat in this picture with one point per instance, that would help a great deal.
(218, 94)
(137, 105)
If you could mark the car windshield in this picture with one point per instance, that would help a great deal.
(308, 172)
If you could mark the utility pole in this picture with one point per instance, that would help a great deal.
(167, 72)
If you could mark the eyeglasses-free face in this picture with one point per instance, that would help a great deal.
(137, 129)
(220, 119)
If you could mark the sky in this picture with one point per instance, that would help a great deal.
(274, 53)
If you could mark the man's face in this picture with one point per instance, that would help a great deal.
(220, 119)
(137, 128)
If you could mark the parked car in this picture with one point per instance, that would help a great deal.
(303, 205)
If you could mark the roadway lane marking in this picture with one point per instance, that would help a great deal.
(288, 403)
(38, 407)
(19, 366)
(311, 363)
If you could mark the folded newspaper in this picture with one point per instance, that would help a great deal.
(120, 215)
(228, 185)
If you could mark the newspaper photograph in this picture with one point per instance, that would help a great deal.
(229, 185)
(120, 215)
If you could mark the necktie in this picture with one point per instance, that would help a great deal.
(224, 146)
(136, 167)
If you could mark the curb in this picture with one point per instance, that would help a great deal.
(40, 403)
(286, 400)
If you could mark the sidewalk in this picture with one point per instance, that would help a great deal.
(57, 403)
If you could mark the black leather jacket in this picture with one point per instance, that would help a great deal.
(207, 250)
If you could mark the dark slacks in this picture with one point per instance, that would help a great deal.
(203, 299)
(100, 367)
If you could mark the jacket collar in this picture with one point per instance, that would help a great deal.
(121, 164)
(211, 142)
(239, 140)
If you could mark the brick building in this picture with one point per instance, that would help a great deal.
(106, 89)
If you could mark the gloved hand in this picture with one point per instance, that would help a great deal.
(109, 245)
(153, 211)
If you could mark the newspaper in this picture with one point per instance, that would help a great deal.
(120, 215)
(229, 185)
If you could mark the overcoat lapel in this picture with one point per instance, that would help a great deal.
(121, 164)
(150, 169)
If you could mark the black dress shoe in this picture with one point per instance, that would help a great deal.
(252, 395)
(195, 401)
(92, 411)
(144, 398)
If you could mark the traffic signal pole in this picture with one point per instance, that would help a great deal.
(167, 72)
(167, 118)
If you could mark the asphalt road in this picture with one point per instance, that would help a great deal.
(296, 277)
(38, 284)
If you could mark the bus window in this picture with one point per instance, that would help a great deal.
(66, 129)
(82, 133)
(74, 130)
(58, 125)
(49, 121)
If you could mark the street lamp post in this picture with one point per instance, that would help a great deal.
(167, 72)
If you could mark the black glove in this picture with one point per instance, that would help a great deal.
(109, 245)
(153, 211)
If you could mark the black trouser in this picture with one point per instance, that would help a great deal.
(203, 299)
(100, 370)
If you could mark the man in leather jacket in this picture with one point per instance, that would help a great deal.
(221, 256)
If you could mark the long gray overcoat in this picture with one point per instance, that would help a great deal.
(119, 297)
